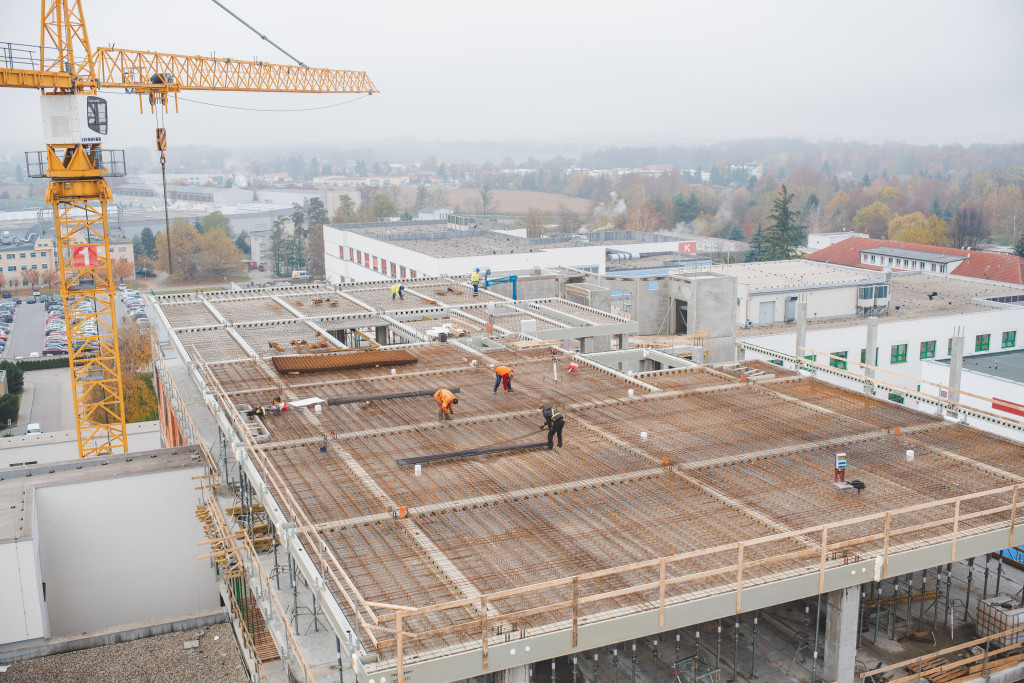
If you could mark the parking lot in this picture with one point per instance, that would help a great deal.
(26, 332)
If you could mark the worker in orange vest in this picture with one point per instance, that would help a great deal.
(445, 402)
(503, 376)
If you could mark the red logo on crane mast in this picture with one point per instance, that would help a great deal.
(84, 256)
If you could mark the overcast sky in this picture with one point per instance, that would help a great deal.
(596, 72)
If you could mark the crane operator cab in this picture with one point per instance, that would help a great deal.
(74, 119)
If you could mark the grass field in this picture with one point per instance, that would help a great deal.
(504, 202)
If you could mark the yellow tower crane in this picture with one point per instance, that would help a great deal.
(70, 75)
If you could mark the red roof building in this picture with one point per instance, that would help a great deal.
(874, 254)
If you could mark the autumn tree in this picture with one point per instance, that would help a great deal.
(381, 206)
(536, 222)
(486, 200)
(784, 235)
(136, 363)
(212, 220)
(918, 229)
(32, 276)
(874, 220)
(1018, 248)
(196, 256)
(121, 269)
(346, 211)
(51, 278)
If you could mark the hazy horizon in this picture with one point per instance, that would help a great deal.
(569, 75)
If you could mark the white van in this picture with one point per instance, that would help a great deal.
(33, 428)
(300, 275)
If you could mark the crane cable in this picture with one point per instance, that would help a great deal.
(261, 35)
(161, 144)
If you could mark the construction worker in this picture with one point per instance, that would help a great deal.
(475, 279)
(397, 290)
(503, 377)
(553, 422)
(445, 402)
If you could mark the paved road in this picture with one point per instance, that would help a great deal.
(46, 400)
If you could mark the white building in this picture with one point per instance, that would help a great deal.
(767, 292)
(925, 314)
(827, 239)
(381, 251)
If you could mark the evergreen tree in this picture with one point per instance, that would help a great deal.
(1018, 248)
(826, 170)
(866, 180)
(736, 233)
(756, 250)
(148, 240)
(784, 235)
(684, 209)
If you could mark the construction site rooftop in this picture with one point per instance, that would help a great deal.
(663, 477)
(1004, 364)
(797, 273)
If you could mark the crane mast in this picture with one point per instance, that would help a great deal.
(70, 74)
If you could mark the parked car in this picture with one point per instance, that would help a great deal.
(49, 351)
(7, 295)
(33, 427)
(7, 318)
(30, 300)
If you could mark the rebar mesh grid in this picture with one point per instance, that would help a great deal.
(315, 304)
(256, 309)
(282, 334)
(213, 345)
(194, 314)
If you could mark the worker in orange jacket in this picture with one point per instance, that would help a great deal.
(445, 402)
(503, 377)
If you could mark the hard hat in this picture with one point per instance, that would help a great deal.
(478, 270)
(455, 400)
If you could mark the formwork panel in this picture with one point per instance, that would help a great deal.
(195, 314)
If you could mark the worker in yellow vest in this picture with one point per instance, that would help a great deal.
(445, 402)
(475, 279)
(397, 290)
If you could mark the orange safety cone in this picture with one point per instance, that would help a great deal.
(401, 513)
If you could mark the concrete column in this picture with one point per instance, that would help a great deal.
(841, 619)
(870, 353)
(801, 328)
(956, 366)
(382, 335)
(517, 674)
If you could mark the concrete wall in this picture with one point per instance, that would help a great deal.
(117, 551)
(821, 303)
(21, 613)
(63, 446)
